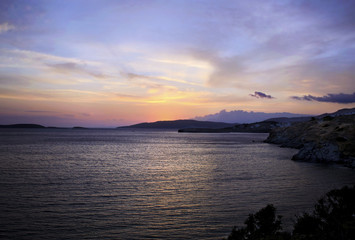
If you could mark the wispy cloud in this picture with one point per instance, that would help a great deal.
(5, 27)
(117, 58)
(128, 98)
(225, 99)
(24, 94)
(40, 111)
(72, 67)
(277, 51)
(35, 56)
(52, 95)
(133, 76)
(334, 98)
(261, 95)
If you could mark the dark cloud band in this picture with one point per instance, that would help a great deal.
(261, 95)
(334, 98)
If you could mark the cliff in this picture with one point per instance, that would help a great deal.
(327, 139)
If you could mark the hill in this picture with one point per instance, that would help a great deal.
(322, 139)
(291, 120)
(177, 124)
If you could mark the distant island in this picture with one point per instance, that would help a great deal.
(177, 124)
(329, 137)
(77, 127)
(194, 126)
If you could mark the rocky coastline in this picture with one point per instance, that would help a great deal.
(327, 140)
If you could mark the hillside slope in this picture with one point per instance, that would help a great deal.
(327, 139)
(180, 124)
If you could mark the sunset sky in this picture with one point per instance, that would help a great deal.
(107, 63)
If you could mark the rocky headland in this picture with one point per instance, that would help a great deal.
(328, 139)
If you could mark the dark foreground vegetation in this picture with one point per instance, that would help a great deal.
(333, 218)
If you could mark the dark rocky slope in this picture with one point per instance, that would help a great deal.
(327, 139)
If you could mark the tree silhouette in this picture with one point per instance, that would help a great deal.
(262, 225)
(333, 218)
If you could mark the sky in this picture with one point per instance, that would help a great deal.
(108, 63)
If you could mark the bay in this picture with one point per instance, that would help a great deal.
(148, 184)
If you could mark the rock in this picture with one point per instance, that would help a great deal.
(312, 152)
(330, 139)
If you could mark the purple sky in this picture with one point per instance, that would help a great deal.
(117, 62)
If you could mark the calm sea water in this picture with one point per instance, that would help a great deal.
(124, 184)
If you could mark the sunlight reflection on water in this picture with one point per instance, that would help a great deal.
(123, 184)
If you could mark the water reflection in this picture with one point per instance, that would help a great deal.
(134, 185)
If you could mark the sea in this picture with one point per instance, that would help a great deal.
(149, 184)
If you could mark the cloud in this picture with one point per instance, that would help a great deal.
(272, 47)
(35, 56)
(70, 67)
(133, 76)
(58, 95)
(5, 27)
(228, 70)
(207, 53)
(39, 111)
(225, 70)
(334, 98)
(24, 94)
(221, 98)
(261, 95)
(240, 116)
(128, 97)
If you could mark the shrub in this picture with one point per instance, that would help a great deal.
(333, 217)
(328, 118)
(262, 225)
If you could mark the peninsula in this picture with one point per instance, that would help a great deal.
(328, 139)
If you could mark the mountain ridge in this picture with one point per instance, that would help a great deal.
(177, 124)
